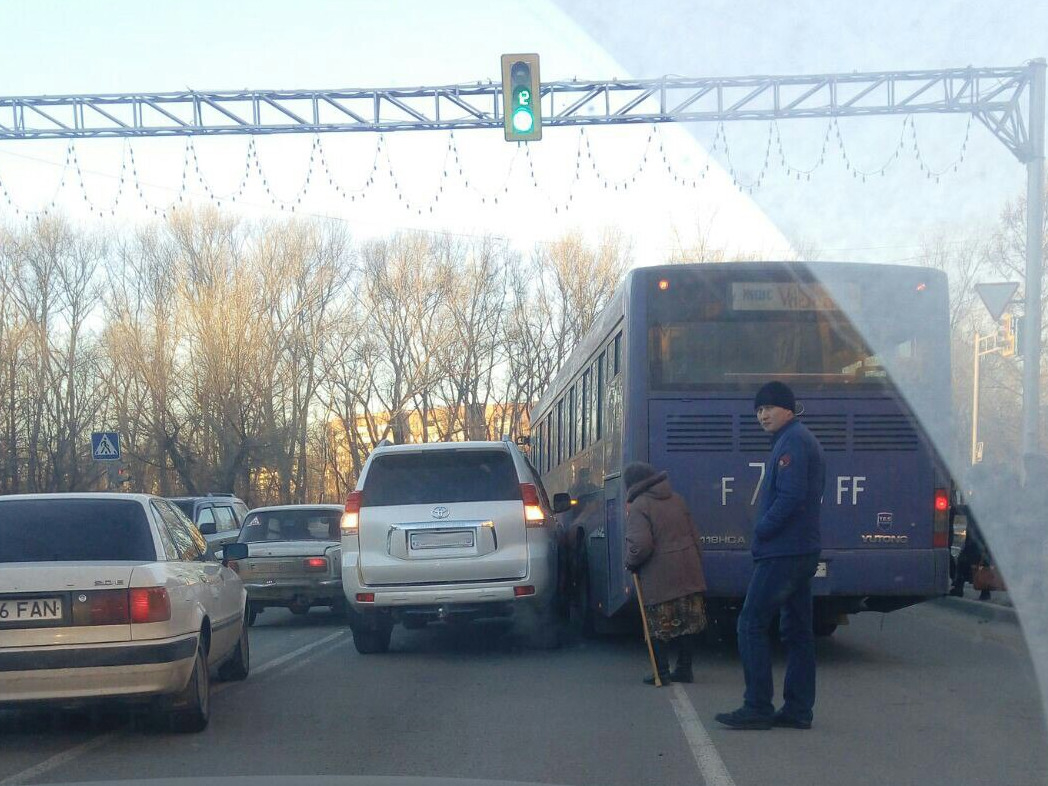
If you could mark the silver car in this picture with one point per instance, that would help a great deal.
(293, 558)
(448, 531)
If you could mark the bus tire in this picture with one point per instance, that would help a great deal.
(824, 627)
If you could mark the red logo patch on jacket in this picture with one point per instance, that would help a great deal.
(784, 461)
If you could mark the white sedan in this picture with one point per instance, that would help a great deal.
(114, 597)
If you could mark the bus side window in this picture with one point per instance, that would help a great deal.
(560, 431)
(600, 395)
(547, 444)
(587, 389)
(618, 354)
(592, 403)
(573, 420)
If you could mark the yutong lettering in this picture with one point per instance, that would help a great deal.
(899, 540)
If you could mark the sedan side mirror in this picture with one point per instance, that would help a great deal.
(233, 551)
(208, 528)
(561, 503)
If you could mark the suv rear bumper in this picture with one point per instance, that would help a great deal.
(541, 575)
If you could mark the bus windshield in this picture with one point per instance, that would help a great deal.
(731, 333)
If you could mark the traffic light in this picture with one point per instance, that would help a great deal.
(119, 474)
(1007, 335)
(521, 107)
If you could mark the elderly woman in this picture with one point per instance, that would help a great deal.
(662, 547)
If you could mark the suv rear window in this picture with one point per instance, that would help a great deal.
(69, 530)
(441, 476)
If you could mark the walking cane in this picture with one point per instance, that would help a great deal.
(647, 635)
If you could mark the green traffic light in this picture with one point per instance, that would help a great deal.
(523, 120)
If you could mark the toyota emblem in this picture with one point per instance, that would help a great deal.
(441, 512)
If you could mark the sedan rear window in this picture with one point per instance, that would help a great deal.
(291, 525)
(70, 530)
(441, 476)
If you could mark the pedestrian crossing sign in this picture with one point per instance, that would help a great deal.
(105, 446)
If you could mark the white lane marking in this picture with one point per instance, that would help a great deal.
(710, 764)
(70, 754)
(277, 662)
(59, 759)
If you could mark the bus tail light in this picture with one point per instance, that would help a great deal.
(351, 518)
(150, 604)
(533, 515)
(941, 519)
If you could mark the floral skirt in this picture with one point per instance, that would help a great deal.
(677, 617)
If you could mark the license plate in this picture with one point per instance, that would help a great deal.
(273, 567)
(457, 539)
(30, 610)
(820, 571)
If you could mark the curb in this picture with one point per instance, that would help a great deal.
(976, 608)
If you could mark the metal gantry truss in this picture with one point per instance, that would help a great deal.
(1010, 102)
(993, 95)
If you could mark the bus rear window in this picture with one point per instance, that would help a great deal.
(432, 476)
(732, 334)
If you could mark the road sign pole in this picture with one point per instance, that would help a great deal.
(1034, 261)
(975, 402)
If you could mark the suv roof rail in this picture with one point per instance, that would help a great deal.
(384, 443)
(220, 493)
(505, 438)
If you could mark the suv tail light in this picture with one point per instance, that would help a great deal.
(351, 518)
(101, 607)
(533, 515)
(150, 604)
(941, 519)
(315, 564)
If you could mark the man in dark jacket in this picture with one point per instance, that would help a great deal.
(786, 545)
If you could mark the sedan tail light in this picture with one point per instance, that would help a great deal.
(150, 604)
(533, 515)
(315, 564)
(351, 518)
(101, 607)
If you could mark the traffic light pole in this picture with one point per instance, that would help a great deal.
(1034, 261)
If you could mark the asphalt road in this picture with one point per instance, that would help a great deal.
(921, 696)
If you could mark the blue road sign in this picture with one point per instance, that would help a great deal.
(105, 446)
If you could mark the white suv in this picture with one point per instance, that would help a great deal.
(449, 531)
(115, 597)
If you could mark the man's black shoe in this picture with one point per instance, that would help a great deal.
(682, 675)
(957, 592)
(785, 721)
(745, 719)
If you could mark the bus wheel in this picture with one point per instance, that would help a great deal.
(824, 627)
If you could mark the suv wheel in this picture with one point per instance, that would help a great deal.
(372, 642)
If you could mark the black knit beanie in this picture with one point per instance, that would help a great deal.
(775, 394)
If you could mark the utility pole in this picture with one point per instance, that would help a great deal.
(1034, 260)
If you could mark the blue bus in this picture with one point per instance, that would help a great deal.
(667, 375)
